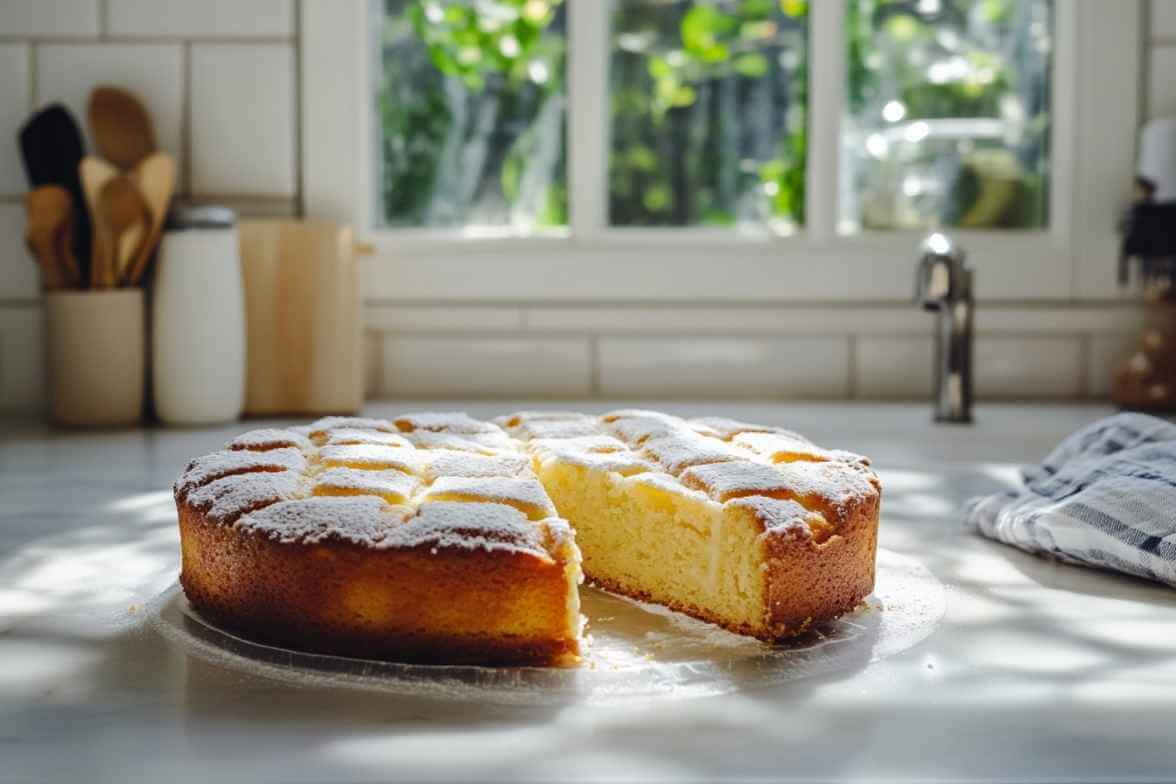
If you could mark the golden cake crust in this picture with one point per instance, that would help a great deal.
(813, 512)
(414, 604)
(347, 538)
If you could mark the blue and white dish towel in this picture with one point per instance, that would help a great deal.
(1105, 497)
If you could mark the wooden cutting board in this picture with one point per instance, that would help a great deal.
(303, 318)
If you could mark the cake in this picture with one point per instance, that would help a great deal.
(424, 539)
(436, 537)
(752, 528)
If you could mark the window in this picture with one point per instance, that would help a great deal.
(471, 114)
(947, 114)
(720, 150)
(707, 114)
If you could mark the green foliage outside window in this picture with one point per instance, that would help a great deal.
(709, 121)
(472, 113)
(963, 60)
(708, 112)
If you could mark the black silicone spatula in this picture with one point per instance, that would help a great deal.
(52, 148)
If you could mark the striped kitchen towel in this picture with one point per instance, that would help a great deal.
(1105, 497)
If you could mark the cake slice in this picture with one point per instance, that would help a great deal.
(753, 528)
(427, 539)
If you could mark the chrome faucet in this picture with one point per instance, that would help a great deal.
(943, 283)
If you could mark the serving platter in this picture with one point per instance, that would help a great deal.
(635, 651)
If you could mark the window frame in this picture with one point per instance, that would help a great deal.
(1095, 112)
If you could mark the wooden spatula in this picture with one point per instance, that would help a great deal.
(95, 174)
(156, 177)
(48, 233)
(121, 126)
(51, 147)
(124, 213)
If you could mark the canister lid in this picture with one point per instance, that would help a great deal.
(182, 217)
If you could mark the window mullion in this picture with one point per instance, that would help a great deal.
(826, 90)
(588, 127)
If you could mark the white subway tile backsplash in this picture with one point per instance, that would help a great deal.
(201, 18)
(15, 105)
(486, 367)
(243, 124)
(373, 360)
(796, 319)
(153, 72)
(797, 367)
(265, 207)
(1028, 367)
(1107, 352)
(1161, 87)
(22, 363)
(1162, 20)
(676, 320)
(428, 318)
(19, 279)
(48, 18)
(1045, 320)
(894, 367)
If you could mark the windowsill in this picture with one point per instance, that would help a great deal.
(427, 242)
(618, 267)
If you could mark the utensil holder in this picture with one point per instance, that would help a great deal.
(96, 351)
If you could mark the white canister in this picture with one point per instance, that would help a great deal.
(1157, 156)
(198, 319)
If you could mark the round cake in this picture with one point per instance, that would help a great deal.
(436, 537)
(426, 539)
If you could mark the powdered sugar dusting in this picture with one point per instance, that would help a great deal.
(470, 526)
(269, 438)
(557, 428)
(637, 429)
(723, 458)
(624, 463)
(225, 499)
(205, 469)
(319, 428)
(527, 495)
(726, 429)
(513, 420)
(446, 421)
(364, 520)
(723, 481)
(780, 515)
(481, 443)
(681, 450)
(393, 486)
(594, 443)
(447, 462)
(787, 447)
(361, 479)
(351, 435)
(370, 456)
(838, 484)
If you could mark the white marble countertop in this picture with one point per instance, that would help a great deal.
(1038, 671)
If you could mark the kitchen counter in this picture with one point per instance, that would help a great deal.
(1038, 671)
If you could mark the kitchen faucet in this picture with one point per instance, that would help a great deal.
(943, 283)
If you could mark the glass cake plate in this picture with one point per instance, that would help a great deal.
(635, 651)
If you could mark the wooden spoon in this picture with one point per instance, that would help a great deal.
(156, 177)
(121, 126)
(124, 213)
(95, 173)
(50, 210)
(51, 145)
